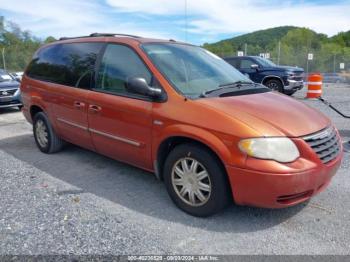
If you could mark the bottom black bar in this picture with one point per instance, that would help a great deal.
(205, 258)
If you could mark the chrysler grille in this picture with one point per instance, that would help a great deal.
(9, 92)
(325, 144)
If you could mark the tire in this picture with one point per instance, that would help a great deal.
(275, 85)
(219, 194)
(52, 143)
(20, 108)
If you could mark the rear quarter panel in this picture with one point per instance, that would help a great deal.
(36, 93)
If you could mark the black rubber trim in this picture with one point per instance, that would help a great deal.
(245, 92)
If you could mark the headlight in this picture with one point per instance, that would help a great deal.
(280, 149)
(291, 76)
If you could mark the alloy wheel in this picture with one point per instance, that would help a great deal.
(191, 181)
(273, 86)
(41, 133)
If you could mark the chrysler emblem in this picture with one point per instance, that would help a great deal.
(5, 93)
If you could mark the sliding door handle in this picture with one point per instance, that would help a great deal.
(79, 105)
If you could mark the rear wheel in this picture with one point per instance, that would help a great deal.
(196, 181)
(45, 137)
(275, 84)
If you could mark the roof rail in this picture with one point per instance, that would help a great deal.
(72, 37)
(112, 34)
(99, 35)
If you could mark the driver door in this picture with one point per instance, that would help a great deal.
(120, 122)
(245, 67)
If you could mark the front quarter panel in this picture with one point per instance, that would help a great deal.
(265, 73)
(221, 148)
(196, 121)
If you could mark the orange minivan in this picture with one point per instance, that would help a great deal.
(210, 133)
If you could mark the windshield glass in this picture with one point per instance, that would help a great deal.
(192, 70)
(265, 62)
(4, 76)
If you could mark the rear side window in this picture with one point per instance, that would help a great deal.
(119, 63)
(66, 64)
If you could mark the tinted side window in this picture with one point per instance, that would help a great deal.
(233, 62)
(119, 63)
(246, 63)
(66, 64)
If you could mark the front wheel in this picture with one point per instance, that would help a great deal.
(275, 85)
(196, 181)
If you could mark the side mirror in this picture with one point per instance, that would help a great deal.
(254, 66)
(138, 85)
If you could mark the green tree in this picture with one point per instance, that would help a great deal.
(295, 44)
(18, 45)
(50, 39)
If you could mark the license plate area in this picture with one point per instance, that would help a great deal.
(5, 99)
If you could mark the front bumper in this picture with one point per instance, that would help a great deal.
(11, 100)
(278, 190)
(293, 85)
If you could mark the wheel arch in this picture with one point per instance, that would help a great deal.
(271, 77)
(36, 105)
(203, 139)
(34, 109)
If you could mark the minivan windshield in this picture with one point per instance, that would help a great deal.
(192, 70)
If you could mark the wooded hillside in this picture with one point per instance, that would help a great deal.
(295, 44)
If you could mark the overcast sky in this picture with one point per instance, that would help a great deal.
(207, 20)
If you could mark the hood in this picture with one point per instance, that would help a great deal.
(9, 84)
(271, 114)
(286, 68)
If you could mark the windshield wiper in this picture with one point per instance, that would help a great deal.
(235, 85)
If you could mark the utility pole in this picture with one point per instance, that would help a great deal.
(279, 53)
(245, 49)
(3, 58)
(334, 63)
(186, 22)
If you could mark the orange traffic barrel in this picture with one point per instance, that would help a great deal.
(314, 86)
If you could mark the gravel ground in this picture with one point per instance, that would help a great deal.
(78, 202)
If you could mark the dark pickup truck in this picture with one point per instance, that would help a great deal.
(285, 79)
